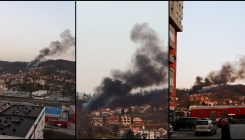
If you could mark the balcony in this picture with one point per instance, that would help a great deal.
(171, 89)
(174, 22)
(171, 58)
(171, 44)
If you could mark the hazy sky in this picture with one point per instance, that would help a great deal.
(103, 30)
(27, 27)
(213, 33)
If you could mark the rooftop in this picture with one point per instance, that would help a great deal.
(39, 92)
(112, 118)
(53, 110)
(17, 120)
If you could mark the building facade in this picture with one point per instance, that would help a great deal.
(214, 112)
(175, 26)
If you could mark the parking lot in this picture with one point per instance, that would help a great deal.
(237, 132)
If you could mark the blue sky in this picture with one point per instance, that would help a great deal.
(103, 42)
(213, 33)
(27, 27)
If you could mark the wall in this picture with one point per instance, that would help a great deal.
(36, 132)
(47, 118)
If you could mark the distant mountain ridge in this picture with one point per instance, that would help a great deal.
(59, 63)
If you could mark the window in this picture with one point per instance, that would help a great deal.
(201, 111)
(177, 3)
(171, 100)
(171, 36)
(237, 110)
(172, 8)
(225, 115)
(225, 111)
(179, 7)
(171, 81)
(171, 78)
(177, 16)
(202, 123)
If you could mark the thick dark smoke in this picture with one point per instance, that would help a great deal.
(229, 73)
(55, 48)
(149, 68)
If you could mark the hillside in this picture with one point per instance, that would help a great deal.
(16, 67)
(61, 64)
(233, 92)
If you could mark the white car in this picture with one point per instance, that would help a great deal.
(205, 126)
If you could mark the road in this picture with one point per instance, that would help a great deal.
(237, 132)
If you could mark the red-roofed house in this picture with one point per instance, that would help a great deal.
(97, 121)
(112, 119)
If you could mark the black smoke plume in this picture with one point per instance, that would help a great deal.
(149, 68)
(229, 73)
(55, 48)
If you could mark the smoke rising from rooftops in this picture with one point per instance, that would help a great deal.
(55, 48)
(149, 68)
(229, 73)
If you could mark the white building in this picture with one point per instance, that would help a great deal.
(41, 82)
(40, 94)
(30, 124)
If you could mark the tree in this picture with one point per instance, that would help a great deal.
(90, 133)
(129, 110)
(129, 135)
(122, 111)
(115, 130)
(203, 103)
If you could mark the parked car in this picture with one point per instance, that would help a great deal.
(231, 120)
(219, 124)
(170, 129)
(205, 119)
(205, 126)
(185, 122)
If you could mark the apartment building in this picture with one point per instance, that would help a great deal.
(175, 26)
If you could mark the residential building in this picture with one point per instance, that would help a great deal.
(1, 86)
(97, 121)
(125, 120)
(22, 122)
(175, 26)
(119, 110)
(138, 121)
(95, 113)
(112, 119)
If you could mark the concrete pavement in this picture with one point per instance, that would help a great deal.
(237, 132)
